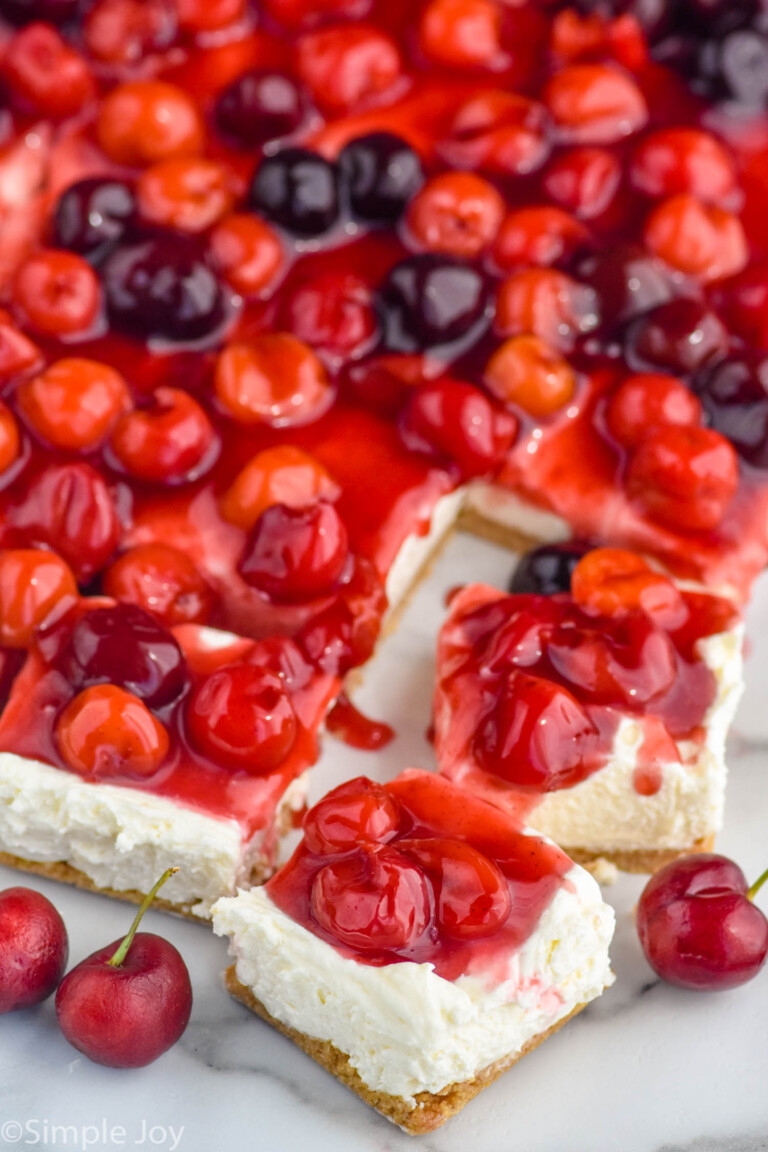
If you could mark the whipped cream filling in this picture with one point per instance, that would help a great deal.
(124, 839)
(404, 1028)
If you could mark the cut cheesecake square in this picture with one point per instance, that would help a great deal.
(88, 798)
(445, 940)
(600, 717)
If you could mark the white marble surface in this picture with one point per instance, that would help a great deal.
(646, 1069)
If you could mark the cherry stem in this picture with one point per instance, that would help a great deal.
(755, 888)
(122, 951)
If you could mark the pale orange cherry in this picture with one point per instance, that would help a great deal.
(615, 582)
(281, 475)
(248, 253)
(33, 585)
(74, 403)
(528, 373)
(186, 192)
(106, 731)
(275, 379)
(143, 121)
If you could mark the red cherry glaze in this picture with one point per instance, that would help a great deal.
(356, 812)
(347, 723)
(57, 293)
(296, 554)
(241, 717)
(162, 580)
(171, 441)
(35, 586)
(209, 15)
(74, 403)
(33, 948)
(698, 927)
(684, 477)
(106, 731)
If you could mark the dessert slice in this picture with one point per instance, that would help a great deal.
(126, 748)
(598, 715)
(444, 941)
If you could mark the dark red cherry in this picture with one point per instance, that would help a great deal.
(679, 337)
(377, 901)
(241, 717)
(698, 926)
(296, 554)
(734, 395)
(430, 300)
(92, 216)
(538, 737)
(628, 281)
(297, 190)
(124, 645)
(381, 173)
(547, 570)
(51, 11)
(257, 107)
(455, 423)
(472, 895)
(356, 812)
(33, 948)
(163, 286)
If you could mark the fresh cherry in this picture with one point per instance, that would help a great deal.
(380, 173)
(93, 215)
(298, 190)
(123, 645)
(126, 1004)
(241, 717)
(547, 570)
(257, 107)
(698, 926)
(296, 554)
(377, 901)
(430, 300)
(33, 948)
(163, 286)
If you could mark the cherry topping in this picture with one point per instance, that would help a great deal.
(734, 394)
(10, 440)
(540, 235)
(247, 252)
(297, 190)
(187, 192)
(627, 280)
(34, 585)
(332, 312)
(106, 731)
(377, 901)
(526, 372)
(275, 380)
(613, 582)
(279, 475)
(74, 403)
(678, 337)
(595, 104)
(347, 67)
(142, 121)
(33, 948)
(355, 812)
(124, 31)
(161, 580)
(162, 286)
(58, 293)
(241, 717)
(454, 422)
(456, 213)
(296, 554)
(257, 107)
(124, 645)
(92, 216)
(462, 33)
(538, 735)
(169, 442)
(676, 160)
(648, 401)
(381, 173)
(684, 477)
(698, 926)
(44, 75)
(126, 1004)
(430, 300)
(547, 570)
(472, 895)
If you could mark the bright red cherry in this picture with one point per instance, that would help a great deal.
(545, 303)
(472, 895)
(34, 585)
(698, 926)
(527, 372)
(584, 181)
(74, 403)
(296, 554)
(595, 104)
(143, 121)
(377, 901)
(33, 948)
(333, 312)
(676, 160)
(684, 477)
(186, 192)
(695, 238)
(10, 441)
(241, 717)
(615, 582)
(58, 293)
(538, 736)
(106, 731)
(462, 33)
(356, 812)
(455, 213)
(45, 76)
(650, 400)
(161, 580)
(453, 421)
(123, 31)
(247, 252)
(540, 235)
(169, 442)
(497, 131)
(126, 1004)
(348, 66)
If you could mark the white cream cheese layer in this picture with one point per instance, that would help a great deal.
(416, 550)
(123, 838)
(405, 1029)
(606, 812)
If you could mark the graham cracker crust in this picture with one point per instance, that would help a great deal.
(431, 1109)
(646, 860)
(471, 522)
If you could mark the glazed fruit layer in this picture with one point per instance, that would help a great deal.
(418, 870)
(279, 276)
